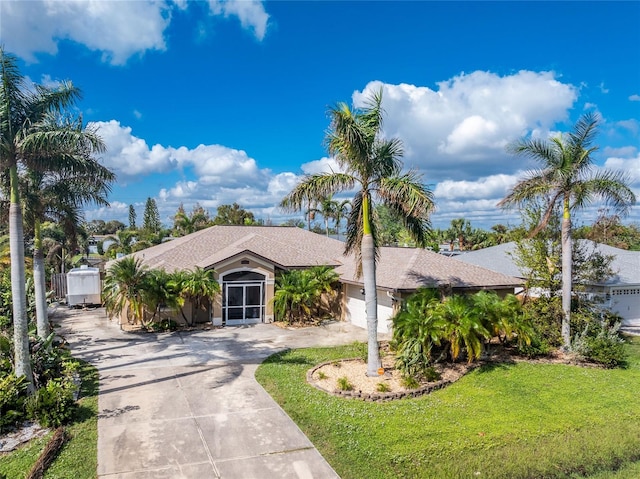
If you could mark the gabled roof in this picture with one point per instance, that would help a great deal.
(288, 247)
(626, 264)
(398, 269)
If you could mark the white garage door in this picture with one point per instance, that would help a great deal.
(357, 314)
(626, 302)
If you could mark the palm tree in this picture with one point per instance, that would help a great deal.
(61, 195)
(327, 209)
(464, 326)
(123, 291)
(342, 209)
(27, 138)
(196, 286)
(566, 176)
(373, 164)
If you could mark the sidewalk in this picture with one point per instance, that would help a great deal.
(186, 404)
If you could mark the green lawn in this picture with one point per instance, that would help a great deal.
(508, 421)
(79, 456)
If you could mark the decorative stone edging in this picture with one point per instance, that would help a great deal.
(378, 396)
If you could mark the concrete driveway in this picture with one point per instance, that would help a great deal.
(186, 405)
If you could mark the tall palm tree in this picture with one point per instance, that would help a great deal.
(371, 163)
(60, 194)
(27, 139)
(566, 177)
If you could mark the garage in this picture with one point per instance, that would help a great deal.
(357, 314)
(625, 301)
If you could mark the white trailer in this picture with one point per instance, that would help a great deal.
(83, 286)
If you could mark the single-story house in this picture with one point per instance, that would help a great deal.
(621, 293)
(247, 260)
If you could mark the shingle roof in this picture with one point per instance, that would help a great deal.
(288, 247)
(398, 269)
(626, 264)
(404, 269)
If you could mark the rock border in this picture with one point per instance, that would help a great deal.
(379, 396)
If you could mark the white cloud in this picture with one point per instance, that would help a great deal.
(117, 29)
(631, 166)
(460, 129)
(323, 165)
(634, 97)
(251, 14)
(137, 114)
(495, 186)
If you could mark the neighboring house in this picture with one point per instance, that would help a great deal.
(107, 240)
(247, 259)
(621, 293)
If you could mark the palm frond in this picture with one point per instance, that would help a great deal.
(314, 188)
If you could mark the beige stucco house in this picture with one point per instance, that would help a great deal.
(247, 260)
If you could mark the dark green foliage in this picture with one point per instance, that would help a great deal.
(299, 294)
(151, 219)
(233, 215)
(545, 315)
(12, 397)
(53, 405)
(426, 328)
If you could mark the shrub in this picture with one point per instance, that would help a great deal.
(601, 343)
(322, 375)
(545, 316)
(537, 347)
(163, 325)
(410, 382)
(12, 397)
(53, 404)
(344, 384)
(431, 374)
(383, 388)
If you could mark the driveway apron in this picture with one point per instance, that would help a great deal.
(186, 404)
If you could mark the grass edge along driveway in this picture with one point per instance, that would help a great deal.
(519, 420)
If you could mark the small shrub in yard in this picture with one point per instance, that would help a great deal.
(12, 397)
(164, 325)
(322, 375)
(410, 382)
(383, 388)
(53, 404)
(431, 374)
(344, 384)
(601, 343)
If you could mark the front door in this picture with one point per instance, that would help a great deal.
(243, 303)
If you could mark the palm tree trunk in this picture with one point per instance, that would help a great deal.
(18, 289)
(566, 274)
(40, 286)
(370, 294)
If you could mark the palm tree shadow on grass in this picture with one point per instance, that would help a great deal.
(285, 357)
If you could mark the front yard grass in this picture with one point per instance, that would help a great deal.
(78, 458)
(519, 420)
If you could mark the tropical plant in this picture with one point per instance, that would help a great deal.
(299, 292)
(371, 164)
(123, 292)
(60, 195)
(195, 286)
(184, 224)
(417, 329)
(160, 291)
(29, 139)
(566, 176)
(464, 327)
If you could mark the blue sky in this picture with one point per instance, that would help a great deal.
(222, 101)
